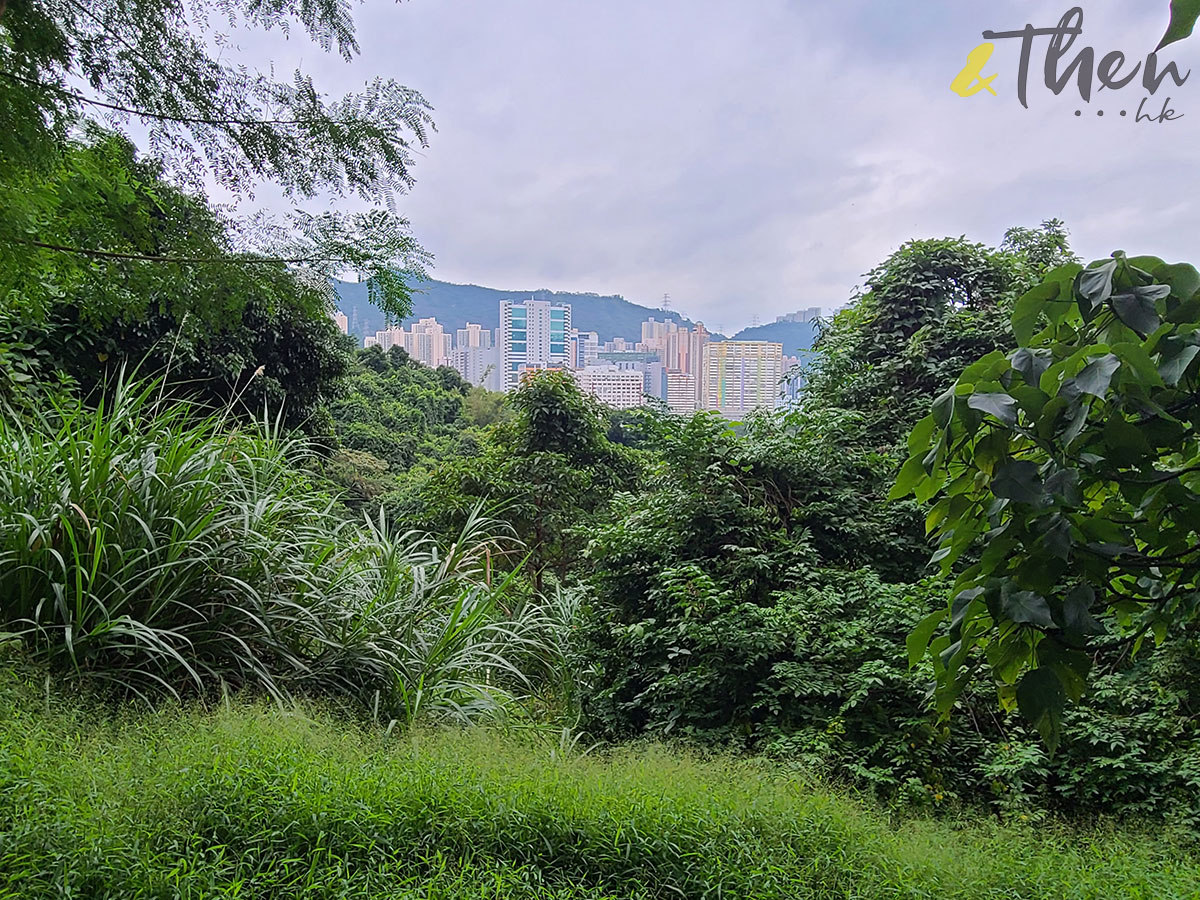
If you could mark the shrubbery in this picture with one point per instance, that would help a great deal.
(152, 546)
(715, 616)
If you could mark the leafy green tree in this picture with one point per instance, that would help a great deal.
(549, 471)
(1073, 464)
(398, 412)
(686, 578)
(1043, 248)
(729, 603)
(928, 310)
(257, 336)
(145, 61)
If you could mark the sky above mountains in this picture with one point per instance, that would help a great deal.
(755, 158)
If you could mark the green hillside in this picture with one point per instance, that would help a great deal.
(456, 304)
(796, 337)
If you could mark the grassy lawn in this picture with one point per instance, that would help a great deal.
(253, 802)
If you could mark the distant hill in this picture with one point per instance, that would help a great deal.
(456, 304)
(796, 337)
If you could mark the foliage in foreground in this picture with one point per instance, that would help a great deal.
(146, 545)
(254, 803)
(204, 113)
(1073, 465)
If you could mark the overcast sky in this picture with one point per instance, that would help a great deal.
(751, 157)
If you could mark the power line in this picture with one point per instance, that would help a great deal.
(141, 113)
(188, 260)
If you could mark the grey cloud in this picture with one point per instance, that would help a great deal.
(752, 157)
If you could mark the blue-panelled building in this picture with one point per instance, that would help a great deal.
(533, 335)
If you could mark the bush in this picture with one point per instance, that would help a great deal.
(144, 545)
(715, 614)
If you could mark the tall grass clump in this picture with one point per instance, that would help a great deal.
(156, 548)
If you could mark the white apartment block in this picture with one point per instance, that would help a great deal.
(583, 348)
(478, 365)
(427, 342)
(681, 392)
(473, 336)
(741, 376)
(387, 339)
(618, 388)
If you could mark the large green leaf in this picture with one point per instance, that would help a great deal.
(1077, 614)
(1137, 308)
(1183, 20)
(1097, 375)
(1041, 699)
(1124, 443)
(1030, 307)
(1002, 406)
(1026, 608)
(1018, 480)
(918, 641)
(1031, 364)
(1173, 368)
(1182, 277)
(911, 474)
(1093, 286)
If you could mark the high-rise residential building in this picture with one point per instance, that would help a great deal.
(618, 388)
(680, 349)
(654, 380)
(697, 345)
(681, 392)
(656, 334)
(533, 335)
(617, 345)
(583, 348)
(472, 336)
(740, 376)
(343, 323)
(429, 343)
(426, 342)
(792, 382)
(387, 339)
(479, 365)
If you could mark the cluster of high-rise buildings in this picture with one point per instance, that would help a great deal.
(680, 366)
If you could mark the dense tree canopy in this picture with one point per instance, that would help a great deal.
(928, 310)
(550, 471)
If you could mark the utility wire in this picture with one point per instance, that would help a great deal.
(190, 260)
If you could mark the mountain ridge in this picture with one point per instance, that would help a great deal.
(609, 315)
(453, 305)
